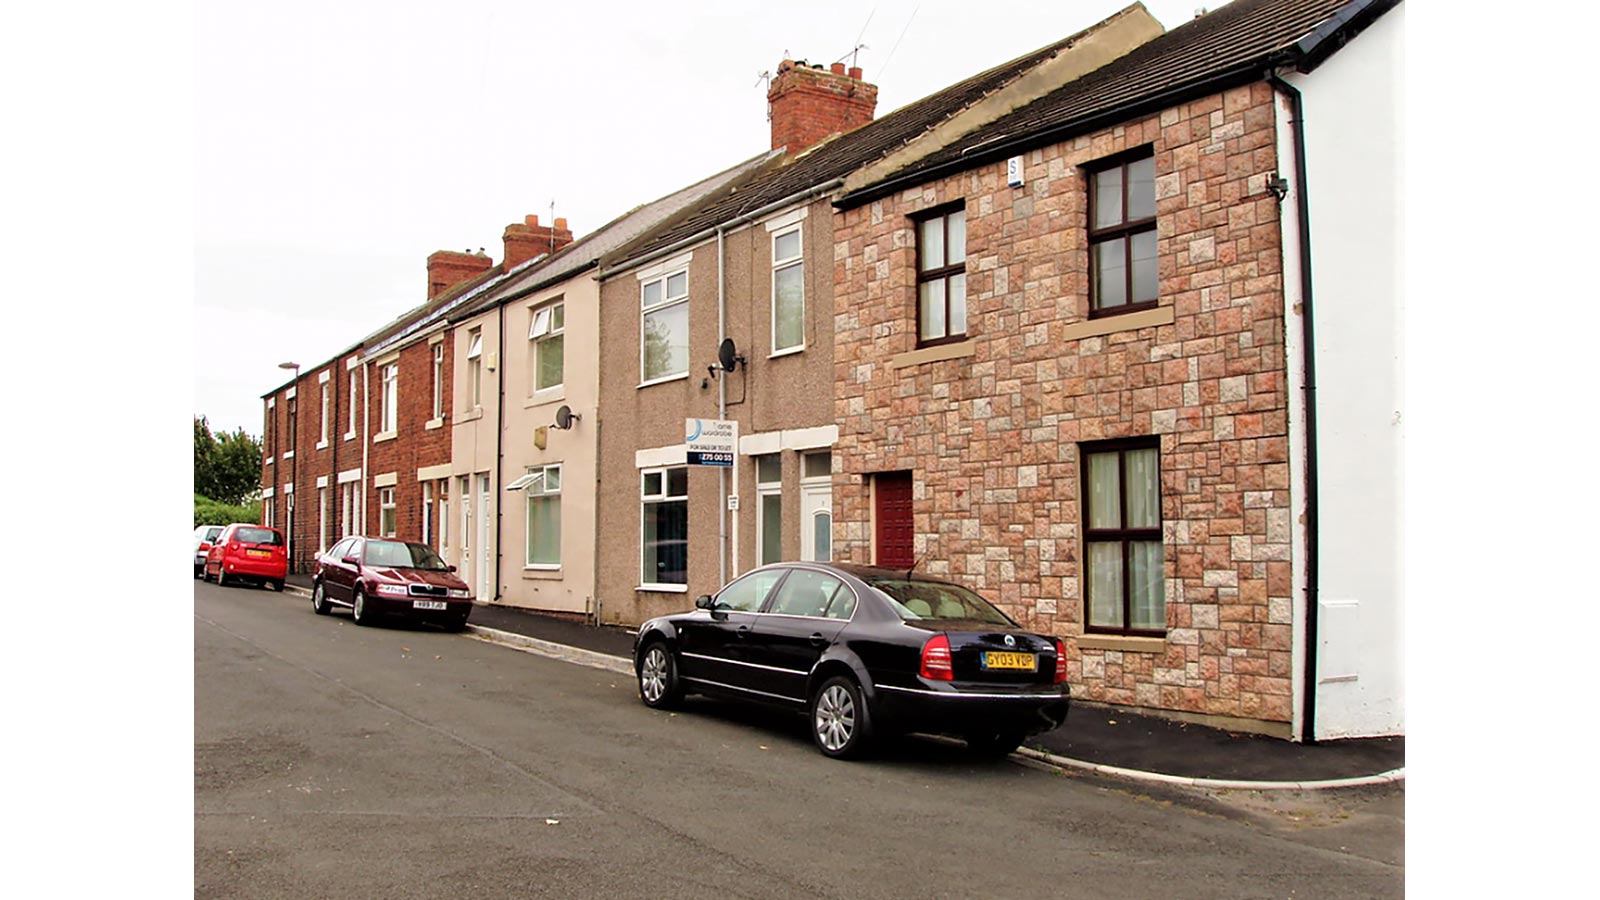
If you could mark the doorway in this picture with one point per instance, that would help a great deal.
(893, 531)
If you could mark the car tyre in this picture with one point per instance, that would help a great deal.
(362, 613)
(319, 601)
(200, 571)
(222, 576)
(840, 723)
(458, 623)
(659, 686)
(994, 745)
(277, 584)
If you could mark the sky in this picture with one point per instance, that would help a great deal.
(338, 144)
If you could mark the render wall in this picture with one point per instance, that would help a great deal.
(1354, 151)
(993, 436)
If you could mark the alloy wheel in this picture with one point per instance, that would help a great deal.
(835, 718)
(653, 675)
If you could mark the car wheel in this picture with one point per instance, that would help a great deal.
(222, 576)
(458, 623)
(840, 724)
(363, 614)
(994, 745)
(319, 602)
(199, 571)
(659, 686)
(277, 585)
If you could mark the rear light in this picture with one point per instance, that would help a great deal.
(204, 546)
(936, 659)
(1061, 663)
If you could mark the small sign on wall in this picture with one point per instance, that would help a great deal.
(710, 442)
(1014, 171)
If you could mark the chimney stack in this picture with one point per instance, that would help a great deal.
(807, 103)
(528, 239)
(447, 268)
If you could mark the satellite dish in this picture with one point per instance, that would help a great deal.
(728, 355)
(565, 417)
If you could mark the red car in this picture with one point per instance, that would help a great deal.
(377, 578)
(248, 553)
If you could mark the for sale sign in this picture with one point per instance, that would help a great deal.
(710, 442)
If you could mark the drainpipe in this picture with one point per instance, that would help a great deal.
(722, 413)
(499, 436)
(366, 438)
(1308, 732)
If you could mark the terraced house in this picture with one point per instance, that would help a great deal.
(1108, 332)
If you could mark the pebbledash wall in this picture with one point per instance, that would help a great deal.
(991, 428)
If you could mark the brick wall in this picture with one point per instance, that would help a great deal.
(808, 104)
(993, 438)
(415, 445)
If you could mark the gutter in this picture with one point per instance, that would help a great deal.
(1307, 330)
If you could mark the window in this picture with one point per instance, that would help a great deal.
(942, 277)
(664, 496)
(546, 346)
(1122, 537)
(1122, 234)
(475, 367)
(788, 292)
(355, 399)
(427, 512)
(438, 380)
(386, 523)
(294, 422)
(322, 429)
(266, 511)
(444, 514)
(810, 593)
(322, 519)
(543, 484)
(664, 326)
(748, 593)
(390, 410)
(769, 524)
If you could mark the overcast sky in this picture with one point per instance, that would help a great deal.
(338, 144)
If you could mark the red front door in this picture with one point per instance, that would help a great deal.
(892, 536)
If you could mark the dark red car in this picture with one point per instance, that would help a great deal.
(378, 578)
(248, 553)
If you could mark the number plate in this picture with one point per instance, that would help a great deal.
(429, 604)
(261, 553)
(1020, 662)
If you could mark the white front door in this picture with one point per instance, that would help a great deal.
(481, 557)
(816, 522)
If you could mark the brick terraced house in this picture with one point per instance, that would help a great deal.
(1069, 351)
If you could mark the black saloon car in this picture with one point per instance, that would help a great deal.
(865, 652)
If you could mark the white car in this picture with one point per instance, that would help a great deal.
(203, 536)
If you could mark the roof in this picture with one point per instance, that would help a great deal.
(584, 252)
(791, 175)
(1234, 45)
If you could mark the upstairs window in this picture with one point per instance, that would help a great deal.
(438, 381)
(475, 367)
(355, 401)
(942, 276)
(1122, 234)
(664, 327)
(294, 425)
(322, 441)
(547, 348)
(390, 410)
(788, 292)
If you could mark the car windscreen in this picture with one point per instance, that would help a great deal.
(258, 536)
(923, 600)
(401, 555)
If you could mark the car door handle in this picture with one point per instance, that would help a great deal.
(817, 640)
(742, 630)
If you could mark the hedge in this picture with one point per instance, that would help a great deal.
(209, 512)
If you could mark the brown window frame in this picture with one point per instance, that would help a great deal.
(1125, 536)
(941, 274)
(1126, 230)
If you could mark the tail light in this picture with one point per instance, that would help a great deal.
(1061, 662)
(936, 659)
(205, 545)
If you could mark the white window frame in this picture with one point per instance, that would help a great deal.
(322, 441)
(647, 500)
(389, 410)
(664, 304)
(537, 484)
(783, 264)
(427, 513)
(542, 328)
(475, 368)
(355, 399)
(386, 507)
(765, 489)
(438, 382)
(444, 515)
(322, 520)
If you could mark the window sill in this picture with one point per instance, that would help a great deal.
(664, 588)
(546, 573)
(321, 445)
(788, 351)
(937, 353)
(682, 376)
(1126, 644)
(289, 455)
(382, 436)
(1148, 318)
(269, 461)
(349, 435)
(434, 423)
(473, 416)
(548, 395)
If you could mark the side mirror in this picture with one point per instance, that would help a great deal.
(702, 602)
(351, 561)
(449, 568)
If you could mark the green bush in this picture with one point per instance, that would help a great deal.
(209, 512)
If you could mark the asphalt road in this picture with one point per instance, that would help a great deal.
(338, 761)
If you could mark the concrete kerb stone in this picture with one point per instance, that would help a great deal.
(563, 652)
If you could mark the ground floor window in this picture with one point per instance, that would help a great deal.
(444, 515)
(349, 508)
(386, 516)
(322, 520)
(769, 524)
(1123, 585)
(543, 487)
(664, 515)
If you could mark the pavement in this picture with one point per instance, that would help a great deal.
(1105, 739)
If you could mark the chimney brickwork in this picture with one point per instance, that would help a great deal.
(527, 239)
(448, 268)
(806, 104)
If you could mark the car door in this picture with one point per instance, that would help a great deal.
(715, 650)
(341, 578)
(803, 618)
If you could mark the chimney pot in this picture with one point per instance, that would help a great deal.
(808, 103)
(561, 224)
(855, 72)
(837, 68)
